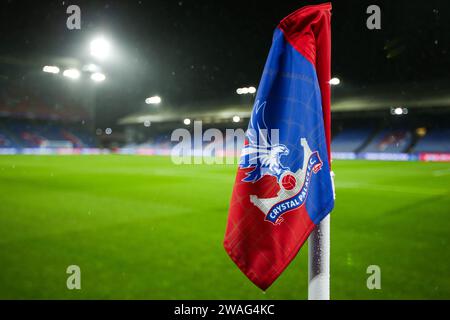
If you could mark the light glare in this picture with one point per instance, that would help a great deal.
(98, 77)
(100, 48)
(91, 68)
(398, 111)
(50, 69)
(153, 100)
(246, 90)
(71, 73)
(335, 81)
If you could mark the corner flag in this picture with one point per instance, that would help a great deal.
(283, 187)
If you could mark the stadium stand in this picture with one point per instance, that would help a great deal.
(350, 140)
(5, 141)
(32, 118)
(390, 141)
(24, 134)
(18, 102)
(437, 140)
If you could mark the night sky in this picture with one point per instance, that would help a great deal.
(198, 51)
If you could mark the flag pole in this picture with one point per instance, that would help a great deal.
(319, 261)
(319, 258)
(319, 239)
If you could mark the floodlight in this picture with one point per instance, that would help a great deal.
(98, 77)
(50, 69)
(335, 81)
(100, 48)
(71, 73)
(153, 100)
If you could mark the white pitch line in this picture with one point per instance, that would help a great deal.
(443, 172)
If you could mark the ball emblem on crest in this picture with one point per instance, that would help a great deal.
(288, 182)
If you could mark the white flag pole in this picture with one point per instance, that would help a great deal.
(319, 259)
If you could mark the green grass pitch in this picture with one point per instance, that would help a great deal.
(143, 228)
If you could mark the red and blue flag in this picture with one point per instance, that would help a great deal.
(283, 186)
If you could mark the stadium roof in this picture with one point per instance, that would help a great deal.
(346, 99)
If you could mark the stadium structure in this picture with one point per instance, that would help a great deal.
(42, 116)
